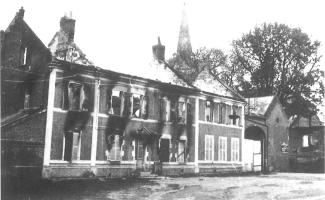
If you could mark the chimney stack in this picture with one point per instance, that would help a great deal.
(67, 25)
(158, 51)
(20, 13)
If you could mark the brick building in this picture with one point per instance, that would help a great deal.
(84, 121)
(307, 136)
(266, 135)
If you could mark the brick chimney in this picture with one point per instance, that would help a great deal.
(20, 13)
(158, 51)
(67, 25)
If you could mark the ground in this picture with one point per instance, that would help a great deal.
(274, 186)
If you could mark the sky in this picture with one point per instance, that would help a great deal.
(118, 35)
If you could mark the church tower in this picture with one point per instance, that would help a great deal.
(184, 41)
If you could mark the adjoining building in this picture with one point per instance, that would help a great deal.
(266, 135)
(78, 120)
(307, 144)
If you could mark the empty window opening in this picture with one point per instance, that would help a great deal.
(72, 144)
(181, 112)
(181, 151)
(115, 152)
(116, 102)
(78, 95)
(25, 56)
(137, 105)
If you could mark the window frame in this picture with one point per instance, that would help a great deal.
(222, 149)
(181, 146)
(182, 112)
(234, 149)
(209, 148)
(208, 111)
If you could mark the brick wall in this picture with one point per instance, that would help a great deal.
(278, 134)
(217, 131)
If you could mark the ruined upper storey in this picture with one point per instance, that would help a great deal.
(63, 47)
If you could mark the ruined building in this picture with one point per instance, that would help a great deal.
(64, 117)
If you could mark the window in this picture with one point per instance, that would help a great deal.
(27, 99)
(305, 141)
(78, 96)
(240, 110)
(115, 152)
(72, 145)
(181, 112)
(309, 140)
(181, 151)
(235, 115)
(116, 102)
(173, 110)
(228, 112)
(234, 149)
(209, 147)
(144, 107)
(24, 56)
(137, 105)
(222, 154)
(222, 114)
(208, 111)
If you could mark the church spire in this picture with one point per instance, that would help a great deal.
(184, 42)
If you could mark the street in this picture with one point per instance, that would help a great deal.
(274, 186)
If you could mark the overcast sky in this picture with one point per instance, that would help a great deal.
(118, 35)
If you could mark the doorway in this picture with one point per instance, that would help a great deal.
(254, 153)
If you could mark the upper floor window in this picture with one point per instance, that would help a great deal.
(78, 96)
(127, 104)
(24, 56)
(116, 103)
(181, 111)
(236, 115)
(222, 114)
(208, 113)
(173, 110)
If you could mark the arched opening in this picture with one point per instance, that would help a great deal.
(255, 149)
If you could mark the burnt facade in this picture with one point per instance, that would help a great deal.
(86, 121)
(23, 97)
(307, 145)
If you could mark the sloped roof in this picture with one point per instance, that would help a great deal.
(299, 121)
(259, 106)
(162, 72)
(209, 83)
(21, 115)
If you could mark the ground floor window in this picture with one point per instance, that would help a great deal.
(115, 152)
(72, 143)
(234, 149)
(181, 151)
(209, 147)
(222, 153)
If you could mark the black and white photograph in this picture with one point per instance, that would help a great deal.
(162, 99)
